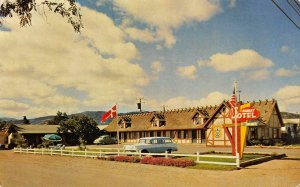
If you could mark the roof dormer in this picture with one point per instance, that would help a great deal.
(200, 117)
(158, 120)
(124, 122)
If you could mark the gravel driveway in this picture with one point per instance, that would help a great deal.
(44, 170)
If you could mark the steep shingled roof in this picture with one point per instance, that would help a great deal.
(266, 109)
(175, 119)
(38, 129)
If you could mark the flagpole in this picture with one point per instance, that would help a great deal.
(235, 124)
(117, 117)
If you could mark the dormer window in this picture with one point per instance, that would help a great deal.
(199, 119)
(158, 120)
(125, 122)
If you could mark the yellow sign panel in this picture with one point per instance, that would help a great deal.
(243, 135)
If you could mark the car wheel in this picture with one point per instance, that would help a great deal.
(145, 151)
(169, 151)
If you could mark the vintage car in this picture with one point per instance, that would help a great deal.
(152, 145)
(105, 139)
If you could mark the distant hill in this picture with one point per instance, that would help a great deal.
(7, 119)
(287, 115)
(96, 115)
(34, 121)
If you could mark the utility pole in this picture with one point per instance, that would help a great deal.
(164, 108)
(239, 91)
(139, 104)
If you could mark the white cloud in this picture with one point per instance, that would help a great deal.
(142, 35)
(262, 74)
(289, 98)
(284, 49)
(232, 3)
(243, 59)
(6, 104)
(213, 98)
(156, 68)
(48, 55)
(187, 71)
(99, 3)
(282, 72)
(167, 15)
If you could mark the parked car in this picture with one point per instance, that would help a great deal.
(105, 139)
(152, 145)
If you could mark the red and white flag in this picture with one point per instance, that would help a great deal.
(112, 113)
(232, 100)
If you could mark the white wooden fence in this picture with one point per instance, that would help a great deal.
(116, 151)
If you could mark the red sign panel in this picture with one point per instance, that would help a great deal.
(246, 114)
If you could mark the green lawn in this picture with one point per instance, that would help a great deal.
(213, 167)
(246, 157)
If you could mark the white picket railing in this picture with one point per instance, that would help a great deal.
(116, 151)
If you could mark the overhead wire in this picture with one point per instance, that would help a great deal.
(276, 4)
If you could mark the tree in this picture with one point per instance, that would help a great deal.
(9, 126)
(25, 120)
(23, 9)
(59, 118)
(79, 127)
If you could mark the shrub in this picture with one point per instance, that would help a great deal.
(110, 158)
(132, 159)
(12, 145)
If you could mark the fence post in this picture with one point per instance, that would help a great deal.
(197, 156)
(166, 154)
(51, 151)
(85, 153)
(237, 160)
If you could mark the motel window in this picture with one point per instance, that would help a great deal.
(127, 125)
(275, 133)
(253, 132)
(155, 123)
(158, 133)
(179, 134)
(185, 134)
(164, 133)
(172, 134)
(151, 133)
(198, 120)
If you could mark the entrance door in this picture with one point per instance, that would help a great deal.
(194, 136)
(203, 136)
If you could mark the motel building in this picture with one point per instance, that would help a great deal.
(201, 125)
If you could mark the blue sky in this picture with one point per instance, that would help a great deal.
(173, 53)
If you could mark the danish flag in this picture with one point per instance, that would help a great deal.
(112, 113)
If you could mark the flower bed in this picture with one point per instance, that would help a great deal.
(168, 162)
(153, 161)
